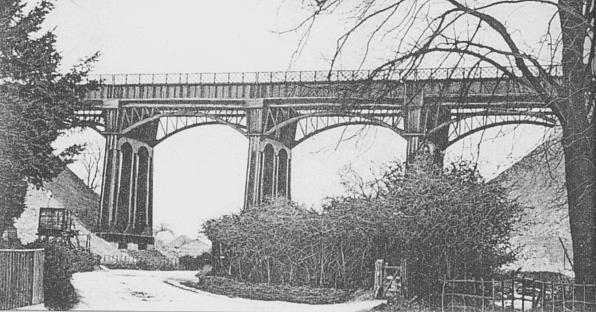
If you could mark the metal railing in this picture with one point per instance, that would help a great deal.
(315, 76)
(518, 294)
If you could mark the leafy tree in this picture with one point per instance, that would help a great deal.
(37, 102)
(476, 33)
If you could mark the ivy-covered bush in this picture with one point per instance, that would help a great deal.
(60, 262)
(445, 223)
(194, 263)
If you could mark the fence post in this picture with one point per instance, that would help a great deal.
(542, 294)
(523, 291)
(452, 294)
(474, 282)
(404, 277)
(482, 290)
(492, 296)
(563, 291)
(513, 293)
(552, 295)
(502, 295)
(572, 297)
(378, 282)
(443, 296)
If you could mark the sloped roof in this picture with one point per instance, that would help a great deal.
(74, 194)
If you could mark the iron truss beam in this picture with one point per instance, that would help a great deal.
(471, 99)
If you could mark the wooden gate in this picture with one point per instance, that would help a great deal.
(21, 277)
(390, 279)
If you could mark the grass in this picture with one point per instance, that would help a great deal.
(298, 294)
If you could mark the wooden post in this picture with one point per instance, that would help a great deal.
(378, 282)
(404, 277)
(492, 300)
(563, 291)
(453, 286)
(552, 294)
(475, 292)
(572, 297)
(443, 295)
(513, 293)
(482, 290)
(542, 294)
(502, 295)
(523, 293)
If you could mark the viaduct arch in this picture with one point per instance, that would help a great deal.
(277, 111)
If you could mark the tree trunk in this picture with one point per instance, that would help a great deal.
(578, 141)
(580, 174)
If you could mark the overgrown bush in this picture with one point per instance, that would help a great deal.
(59, 294)
(164, 265)
(60, 262)
(194, 263)
(444, 223)
(122, 265)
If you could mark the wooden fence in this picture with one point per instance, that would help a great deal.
(389, 279)
(121, 261)
(518, 294)
(21, 277)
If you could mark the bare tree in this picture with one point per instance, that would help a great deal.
(374, 186)
(459, 33)
(92, 162)
(163, 227)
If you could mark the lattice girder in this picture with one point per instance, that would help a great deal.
(313, 120)
(175, 118)
(464, 122)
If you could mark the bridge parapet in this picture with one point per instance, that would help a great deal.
(343, 83)
(316, 76)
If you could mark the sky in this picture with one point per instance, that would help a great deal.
(199, 173)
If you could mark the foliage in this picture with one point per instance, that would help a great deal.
(194, 263)
(64, 260)
(163, 265)
(299, 294)
(143, 264)
(122, 265)
(60, 262)
(445, 223)
(37, 102)
(59, 294)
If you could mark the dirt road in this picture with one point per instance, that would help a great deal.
(159, 290)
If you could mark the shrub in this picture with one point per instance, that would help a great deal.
(444, 223)
(59, 294)
(122, 266)
(142, 265)
(60, 262)
(194, 263)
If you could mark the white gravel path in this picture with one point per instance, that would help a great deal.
(160, 291)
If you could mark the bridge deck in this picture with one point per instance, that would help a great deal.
(476, 85)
